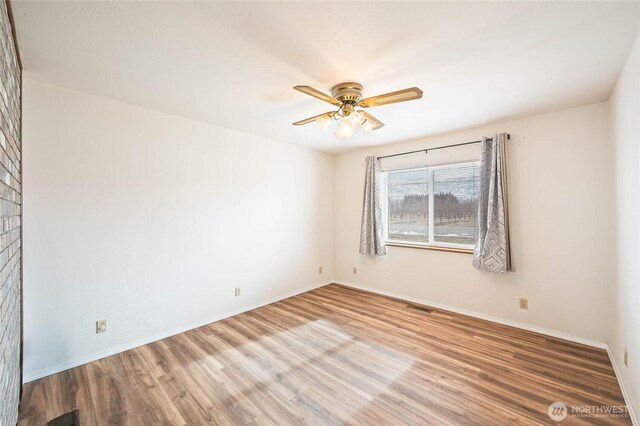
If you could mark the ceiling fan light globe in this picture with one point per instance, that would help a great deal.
(346, 129)
(356, 117)
(324, 122)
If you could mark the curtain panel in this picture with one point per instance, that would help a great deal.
(372, 230)
(492, 251)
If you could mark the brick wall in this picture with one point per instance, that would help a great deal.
(10, 223)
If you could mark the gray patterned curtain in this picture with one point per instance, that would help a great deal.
(371, 233)
(492, 251)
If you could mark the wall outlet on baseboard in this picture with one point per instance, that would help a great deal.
(319, 269)
(355, 271)
(101, 326)
(237, 293)
(626, 357)
(524, 303)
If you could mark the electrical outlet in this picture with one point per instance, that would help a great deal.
(319, 269)
(524, 303)
(626, 357)
(237, 291)
(355, 271)
(101, 326)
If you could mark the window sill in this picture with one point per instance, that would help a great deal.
(437, 248)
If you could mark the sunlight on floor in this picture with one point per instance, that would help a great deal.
(325, 350)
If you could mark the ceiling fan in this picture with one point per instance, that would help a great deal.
(347, 96)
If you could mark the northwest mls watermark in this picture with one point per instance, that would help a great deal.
(558, 411)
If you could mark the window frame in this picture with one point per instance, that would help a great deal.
(433, 245)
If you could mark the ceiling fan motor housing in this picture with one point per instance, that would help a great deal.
(349, 92)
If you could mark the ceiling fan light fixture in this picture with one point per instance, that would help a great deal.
(367, 127)
(347, 128)
(324, 121)
(356, 117)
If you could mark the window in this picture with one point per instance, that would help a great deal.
(433, 206)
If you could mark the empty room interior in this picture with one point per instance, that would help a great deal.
(319, 213)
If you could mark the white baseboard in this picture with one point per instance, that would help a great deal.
(625, 393)
(523, 326)
(515, 324)
(29, 377)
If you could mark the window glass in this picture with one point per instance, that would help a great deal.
(455, 204)
(440, 212)
(408, 206)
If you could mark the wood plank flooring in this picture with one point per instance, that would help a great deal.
(332, 356)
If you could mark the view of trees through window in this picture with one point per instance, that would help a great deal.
(451, 209)
(409, 206)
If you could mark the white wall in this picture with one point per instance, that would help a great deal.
(625, 129)
(563, 230)
(149, 221)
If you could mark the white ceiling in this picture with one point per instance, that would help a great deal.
(233, 64)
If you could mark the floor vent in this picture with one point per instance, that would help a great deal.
(420, 308)
(69, 419)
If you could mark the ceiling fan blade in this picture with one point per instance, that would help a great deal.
(391, 98)
(376, 124)
(312, 119)
(317, 94)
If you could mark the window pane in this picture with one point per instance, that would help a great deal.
(409, 206)
(455, 204)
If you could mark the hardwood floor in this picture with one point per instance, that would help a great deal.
(335, 355)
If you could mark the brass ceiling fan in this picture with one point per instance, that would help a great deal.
(347, 96)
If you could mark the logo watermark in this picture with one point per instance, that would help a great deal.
(558, 411)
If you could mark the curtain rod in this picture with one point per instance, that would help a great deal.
(437, 147)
